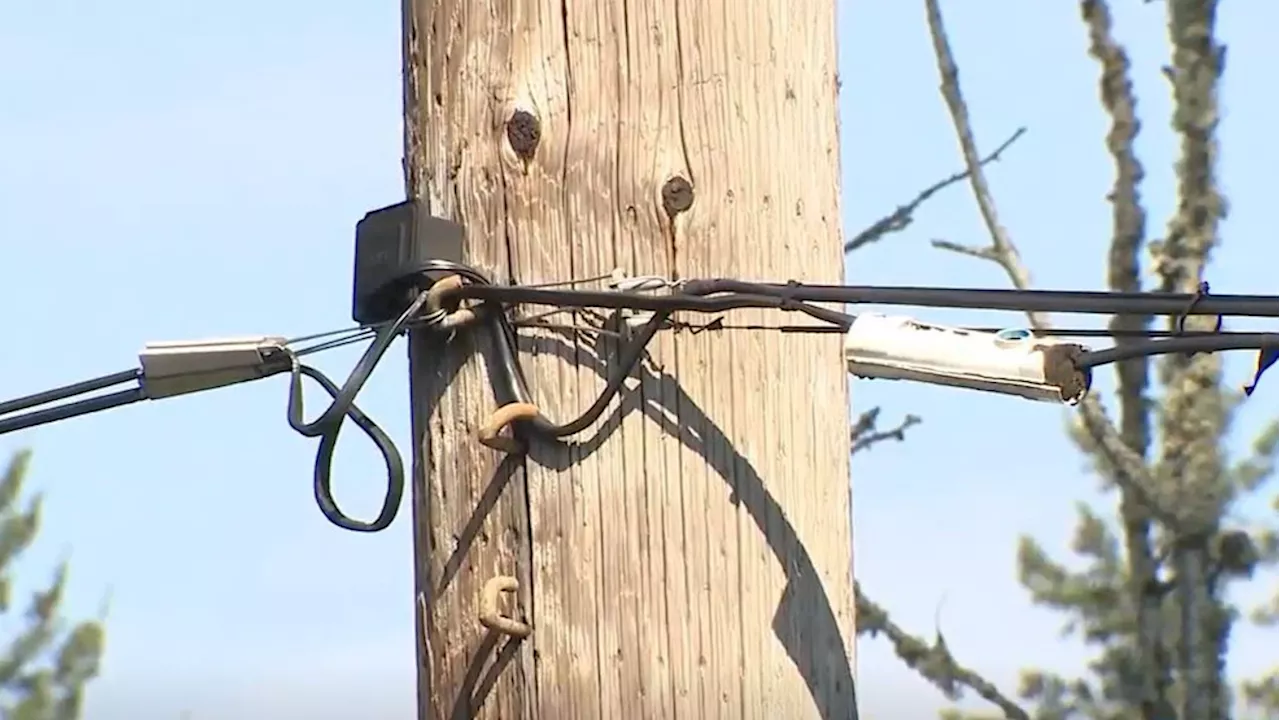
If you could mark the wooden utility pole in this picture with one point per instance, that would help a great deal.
(690, 555)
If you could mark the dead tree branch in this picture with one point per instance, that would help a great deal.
(1002, 249)
(933, 661)
(1131, 468)
(902, 217)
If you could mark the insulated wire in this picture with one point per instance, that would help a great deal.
(703, 296)
(329, 423)
(513, 388)
(1166, 346)
(1062, 301)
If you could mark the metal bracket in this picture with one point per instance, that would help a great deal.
(177, 367)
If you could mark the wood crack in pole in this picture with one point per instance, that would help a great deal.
(688, 555)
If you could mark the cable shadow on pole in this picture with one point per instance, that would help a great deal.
(475, 688)
(446, 356)
(804, 622)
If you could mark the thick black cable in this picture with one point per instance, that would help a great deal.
(616, 300)
(1062, 301)
(342, 405)
(514, 387)
(1166, 346)
(718, 295)
(323, 477)
(67, 391)
(364, 367)
(70, 410)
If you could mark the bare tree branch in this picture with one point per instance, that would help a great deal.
(1132, 472)
(1001, 246)
(902, 217)
(863, 435)
(933, 661)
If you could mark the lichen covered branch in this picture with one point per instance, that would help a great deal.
(1124, 275)
(1195, 413)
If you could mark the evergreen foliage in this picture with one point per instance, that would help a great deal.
(45, 668)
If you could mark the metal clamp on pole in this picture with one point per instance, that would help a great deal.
(185, 366)
(166, 369)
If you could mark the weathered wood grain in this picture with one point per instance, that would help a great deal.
(687, 557)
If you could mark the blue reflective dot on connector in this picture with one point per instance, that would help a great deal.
(1013, 334)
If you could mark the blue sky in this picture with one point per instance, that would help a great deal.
(172, 171)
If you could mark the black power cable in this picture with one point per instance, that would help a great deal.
(70, 410)
(703, 296)
(329, 423)
(717, 295)
(322, 481)
(1063, 301)
(514, 387)
(1192, 344)
(616, 300)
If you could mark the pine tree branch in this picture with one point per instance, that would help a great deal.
(42, 673)
(904, 215)
(933, 661)
(1263, 695)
